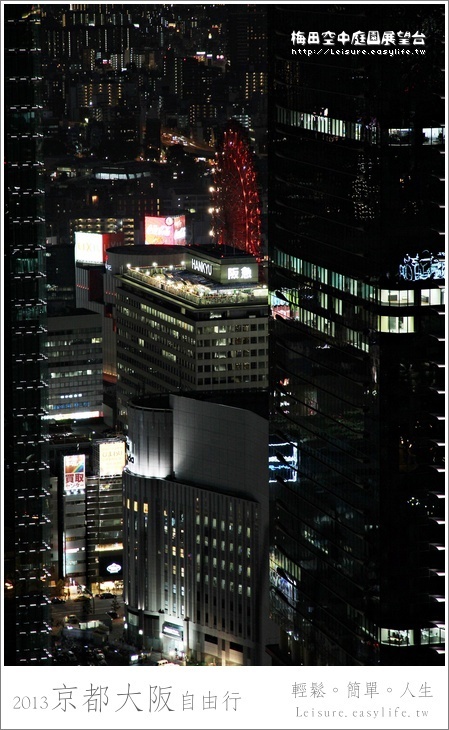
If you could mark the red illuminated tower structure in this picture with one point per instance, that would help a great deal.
(236, 198)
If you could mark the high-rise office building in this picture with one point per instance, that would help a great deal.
(199, 326)
(60, 277)
(26, 474)
(86, 516)
(74, 356)
(247, 36)
(195, 530)
(357, 344)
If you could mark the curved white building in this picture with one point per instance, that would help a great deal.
(195, 522)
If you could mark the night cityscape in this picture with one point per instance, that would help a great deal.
(224, 335)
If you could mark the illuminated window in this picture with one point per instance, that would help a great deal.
(145, 507)
(397, 637)
(434, 297)
(338, 306)
(435, 635)
(434, 135)
(397, 297)
(397, 325)
(398, 137)
(136, 506)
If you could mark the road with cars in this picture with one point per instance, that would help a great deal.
(70, 649)
(99, 606)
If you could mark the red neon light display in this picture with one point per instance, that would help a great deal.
(236, 198)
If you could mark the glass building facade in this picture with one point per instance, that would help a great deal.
(75, 356)
(357, 341)
(26, 476)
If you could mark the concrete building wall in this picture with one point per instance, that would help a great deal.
(195, 530)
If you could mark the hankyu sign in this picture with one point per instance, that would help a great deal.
(240, 273)
(74, 473)
(226, 270)
(204, 267)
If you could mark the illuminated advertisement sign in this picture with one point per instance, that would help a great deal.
(204, 267)
(242, 274)
(230, 271)
(426, 266)
(283, 460)
(88, 247)
(165, 231)
(110, 565)
(112, 458)
(114, 568)
(74, 473)
(174, 630)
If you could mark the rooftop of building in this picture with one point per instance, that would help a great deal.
(196, 289)
(253, 401)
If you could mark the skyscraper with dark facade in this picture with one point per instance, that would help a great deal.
(357, 343)
(247, 35)
(26, 521)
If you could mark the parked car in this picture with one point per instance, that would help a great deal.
(72, 619)
(82, 597)
(56, 599)
(112, 614)
(106, 595)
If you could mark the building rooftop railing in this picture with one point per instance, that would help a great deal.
(200, 294)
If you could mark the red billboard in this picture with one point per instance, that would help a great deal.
(165, 230)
